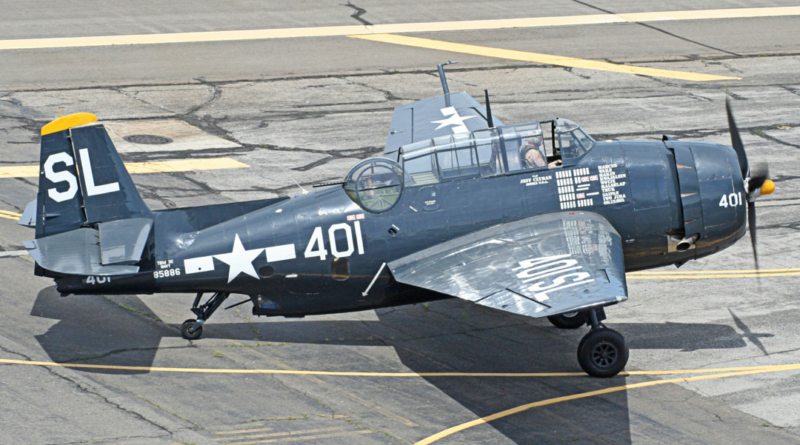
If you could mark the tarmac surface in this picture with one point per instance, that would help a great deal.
(253, 119)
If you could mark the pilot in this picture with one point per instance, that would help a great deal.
(533, 152)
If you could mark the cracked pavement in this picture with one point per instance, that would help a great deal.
(303, 111)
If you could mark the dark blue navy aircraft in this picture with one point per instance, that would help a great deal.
(535, 219)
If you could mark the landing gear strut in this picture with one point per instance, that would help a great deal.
(192, 329)
(602, 352)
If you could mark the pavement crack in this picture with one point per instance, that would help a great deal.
(135, 96)
(314, 164)
(388, 95)
(698, 97)
(216, 93)
(57, 372)
(794, 91)
(122, 351)
(358, 13)
(735, 96)
(654, 28)
(571, 71)
(760, 133)
(726, 65)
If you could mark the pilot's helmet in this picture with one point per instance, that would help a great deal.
(533, 143)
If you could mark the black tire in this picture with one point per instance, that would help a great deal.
(603, 353)
(570, 320)
(188, 333)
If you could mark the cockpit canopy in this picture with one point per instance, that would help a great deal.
(375, 184)
(535, 145)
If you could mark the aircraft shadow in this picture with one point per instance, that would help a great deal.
(443, 336)
(93, 330)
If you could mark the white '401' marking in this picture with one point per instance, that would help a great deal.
(316, 245)
(732, 200)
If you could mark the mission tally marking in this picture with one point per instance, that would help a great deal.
(575, 186)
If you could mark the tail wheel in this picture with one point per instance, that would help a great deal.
(569, 320)
(603, 353)
(188, 333)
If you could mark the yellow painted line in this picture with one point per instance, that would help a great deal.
(10, 213)
(318, 436)
(706, 277)
(13, 218)
(548, 59)
(731, 271)
(330, 31)
(254, 430)
(553, 401)
(375, 374)
(285, 433)
(20, 171)
(183, 165)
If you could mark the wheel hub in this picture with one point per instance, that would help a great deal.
(604, 354)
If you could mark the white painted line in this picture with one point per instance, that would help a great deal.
(13, 253)
(281, 253)
(199, 264)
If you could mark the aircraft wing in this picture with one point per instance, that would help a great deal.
(539, 266)
(452, 113)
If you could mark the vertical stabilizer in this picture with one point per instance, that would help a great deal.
(82, 180)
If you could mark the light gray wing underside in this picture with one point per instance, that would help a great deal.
(433, 117)
(539, 266)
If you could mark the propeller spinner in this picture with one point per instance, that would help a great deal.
(756, 179)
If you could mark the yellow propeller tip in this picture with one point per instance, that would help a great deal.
(768, 187)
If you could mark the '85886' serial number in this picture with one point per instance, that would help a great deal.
(166, 273)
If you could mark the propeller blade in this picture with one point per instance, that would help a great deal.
(736, 140)
(751, 222)
(758, 174)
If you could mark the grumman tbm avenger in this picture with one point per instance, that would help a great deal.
(537, 219)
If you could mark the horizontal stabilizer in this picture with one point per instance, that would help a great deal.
(76, 252)
(122, 241)
(28, 218)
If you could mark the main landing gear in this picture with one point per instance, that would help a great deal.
(602, 352)
(192, 329)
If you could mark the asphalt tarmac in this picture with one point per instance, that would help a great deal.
(285, 113)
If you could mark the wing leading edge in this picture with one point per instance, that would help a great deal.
(453, 113)
(539, 266)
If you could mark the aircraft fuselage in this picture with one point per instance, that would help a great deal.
(322, 253)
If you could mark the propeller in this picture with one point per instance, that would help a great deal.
(756, 179)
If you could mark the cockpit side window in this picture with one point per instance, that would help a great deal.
(574, 142)
(487, 145)
(420, 170)
(458, 163)
(525, 147)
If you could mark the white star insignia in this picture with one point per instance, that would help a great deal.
(239, 260)
(455, 120)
